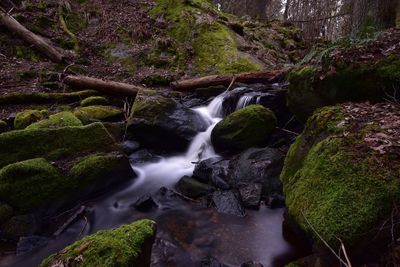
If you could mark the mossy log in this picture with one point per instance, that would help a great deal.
(38, 42)
(227, 80)
(107, 87)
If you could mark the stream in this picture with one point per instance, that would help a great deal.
(187, 232)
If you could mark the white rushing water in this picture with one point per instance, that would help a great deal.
(246, 100)
(169, 170)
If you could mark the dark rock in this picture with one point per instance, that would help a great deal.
(257, 165)
(193, 188)
(129, 146)
(251, 195)
(210, 91)
(21, 225)
(251, 264)
(228, 202)
(145, 203)
(275, 202)
(211, 262)
(161, 122)
(28, 243)
(142, 156)
(212, 170)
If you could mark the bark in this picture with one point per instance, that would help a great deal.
(38, 42)
(213, 80)
(106, 87)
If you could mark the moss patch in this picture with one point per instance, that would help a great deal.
(3, 126)
(119, 247)
(94, 100)
(97, 113)
(53, 143)
(27, 117)
(244, 128)
(58, 120)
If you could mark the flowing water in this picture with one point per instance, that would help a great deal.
(186, 232)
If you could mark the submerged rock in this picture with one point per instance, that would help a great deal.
(193, 188)
(257, 165)
(228, 202)
(161, 122)
(145, 203)
(341, 176)
(212, 171)
(243, 129)
(128, 245)
(251, 195)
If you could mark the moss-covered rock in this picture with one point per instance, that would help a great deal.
(44, 98)
(98, 113)
(54, 143)
(244, 128)
(94, 100)
(31, 183)
(337, 181)
(27, 117)
(58, 120)
(3, 126)
(193, 188)
(6, 211)
(128, 245)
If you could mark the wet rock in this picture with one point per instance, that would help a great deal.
(251, 264)
(257, 165)
(228, 202)
(251, 195)
(245, 128)
(129, 146)
(161, 122)
(211, 262)
(142, 156)
(212, 170)
(28, 243)
(275, 201)
(193, 188)
(145, 203)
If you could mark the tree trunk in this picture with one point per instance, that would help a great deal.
(107, 87)
(38, 42)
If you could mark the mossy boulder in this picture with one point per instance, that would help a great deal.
(3, 126)
(339, 182)
(245, 128)
(161, 122)
(98, 113)
(55, 143)
(313, 86)
(128, 245)
(94, 101)
(27, 117)
(57, 120)
(6, 212)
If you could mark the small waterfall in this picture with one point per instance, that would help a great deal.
(246, 100)
(169, 170)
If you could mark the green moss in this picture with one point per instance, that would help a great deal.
(58, 120)
(97, 113)
(54, 143)
(6, 212)
(3, 126)
(342, 196)
(244, 128)
(43, 98)
(26, 74)
(26, 118)
(119, 247)
(31, 183)
(26, 53)
(94, 100)
(389, 69)
(91, 168)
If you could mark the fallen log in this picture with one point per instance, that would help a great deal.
(106, 87)
(38, 42)
(228, 80)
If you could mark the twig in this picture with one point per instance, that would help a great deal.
(323, 240)
(344, 252)
(70, 220)
(183, 196)
(84, 226)
(288, 131)
(232, 83)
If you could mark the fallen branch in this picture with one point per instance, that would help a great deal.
(70, 220)
(38, 42)
(213, 80)
(106, 87)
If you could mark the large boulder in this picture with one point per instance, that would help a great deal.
(245, 128)
(128, 245)
(161, 122)
(341, 177)
(257, 165)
